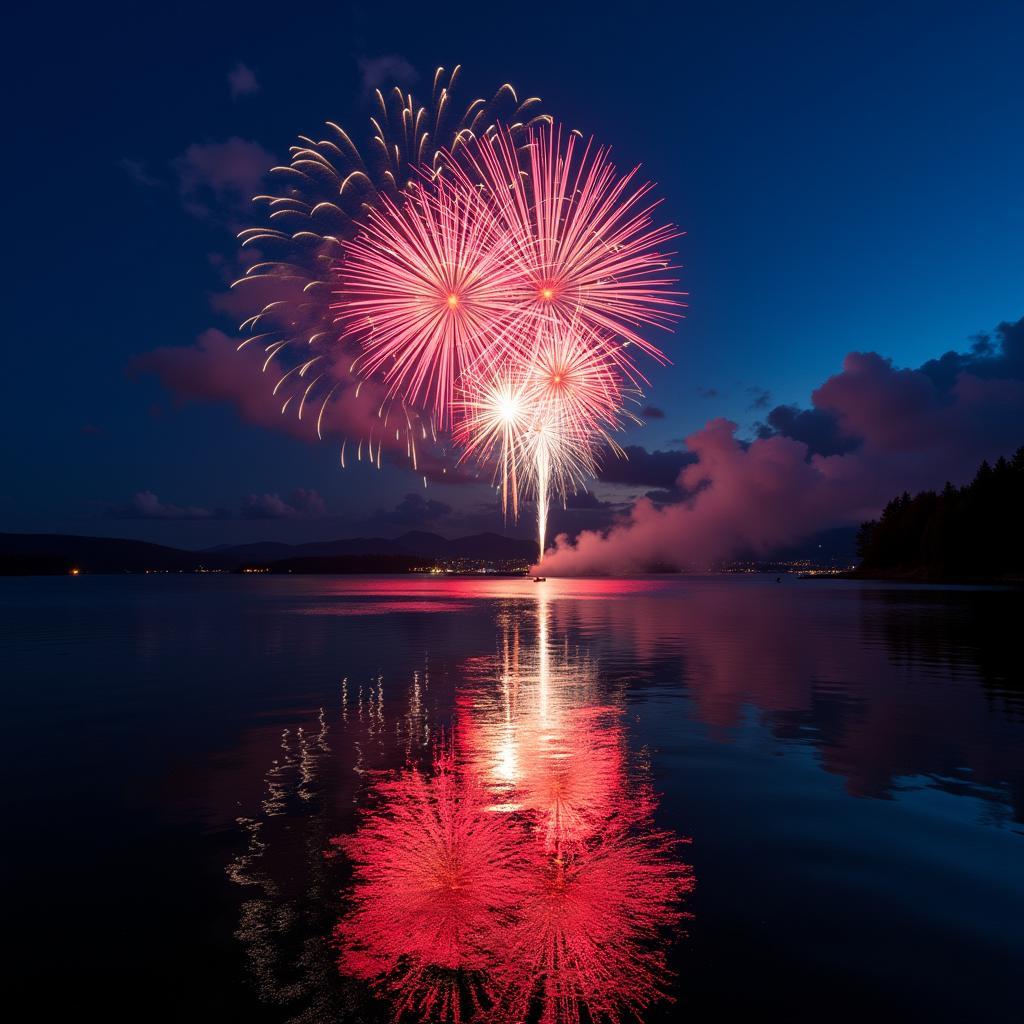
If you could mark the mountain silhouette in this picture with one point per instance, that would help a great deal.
(31, 553)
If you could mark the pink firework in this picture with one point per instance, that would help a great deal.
(543, 416)
(492, 412)
(425, 290)
(503, 293)
(318, 200)
(587, 250)
(575, 376)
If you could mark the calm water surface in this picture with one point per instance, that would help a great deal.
(318, 799)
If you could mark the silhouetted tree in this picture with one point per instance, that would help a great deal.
(971, 532)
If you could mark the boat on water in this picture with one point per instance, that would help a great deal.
(540, 579)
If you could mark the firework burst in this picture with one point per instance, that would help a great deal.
(424, 290)
(319, 200)
(543, 416)
(491, 413)
(585, 271)
(587, 250)
(484, 274)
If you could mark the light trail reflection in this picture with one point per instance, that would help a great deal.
(521, 877)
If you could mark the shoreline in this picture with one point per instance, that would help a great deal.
(923, 576)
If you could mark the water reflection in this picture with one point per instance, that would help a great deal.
(518, 876)
(849, 759)
(499, 861)
(882, 683)
(289, 904)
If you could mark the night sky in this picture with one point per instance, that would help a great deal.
(849, 178)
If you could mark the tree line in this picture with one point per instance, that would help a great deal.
(973, 532)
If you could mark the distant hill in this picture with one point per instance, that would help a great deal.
(46, 553)
(54, 553)
(480, 546)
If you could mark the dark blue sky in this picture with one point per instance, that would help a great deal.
(849, 177)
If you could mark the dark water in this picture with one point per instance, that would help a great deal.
(802, 801)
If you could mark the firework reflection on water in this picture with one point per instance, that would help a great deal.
(520, 874)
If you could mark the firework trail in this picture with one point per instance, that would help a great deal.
(542, 416)
(506, 418)
(491, 415)
(577, 398)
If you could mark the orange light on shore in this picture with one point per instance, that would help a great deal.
(74, 571)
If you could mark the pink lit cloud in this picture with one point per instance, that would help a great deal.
(213, 370)
(242, 81)
(897, 429)
(301, 504)
(218, 175)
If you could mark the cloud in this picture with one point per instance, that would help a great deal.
(708, 392)
(643, 468)
(652, 412)
(999, 354)
(242, 81)
(760, 398)
(301, 504)
(219, 174)
(817, 428)
(386, 70)
(213, 370)
(744, 500)
(146, 505)
(583, 511)
(138, 172)
(668, 496)
(584, 500)
(878, 429)
(872, 400)
(415, 510)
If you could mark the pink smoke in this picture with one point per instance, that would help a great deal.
(911, 434)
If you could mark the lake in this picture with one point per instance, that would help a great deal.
(330, 799)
